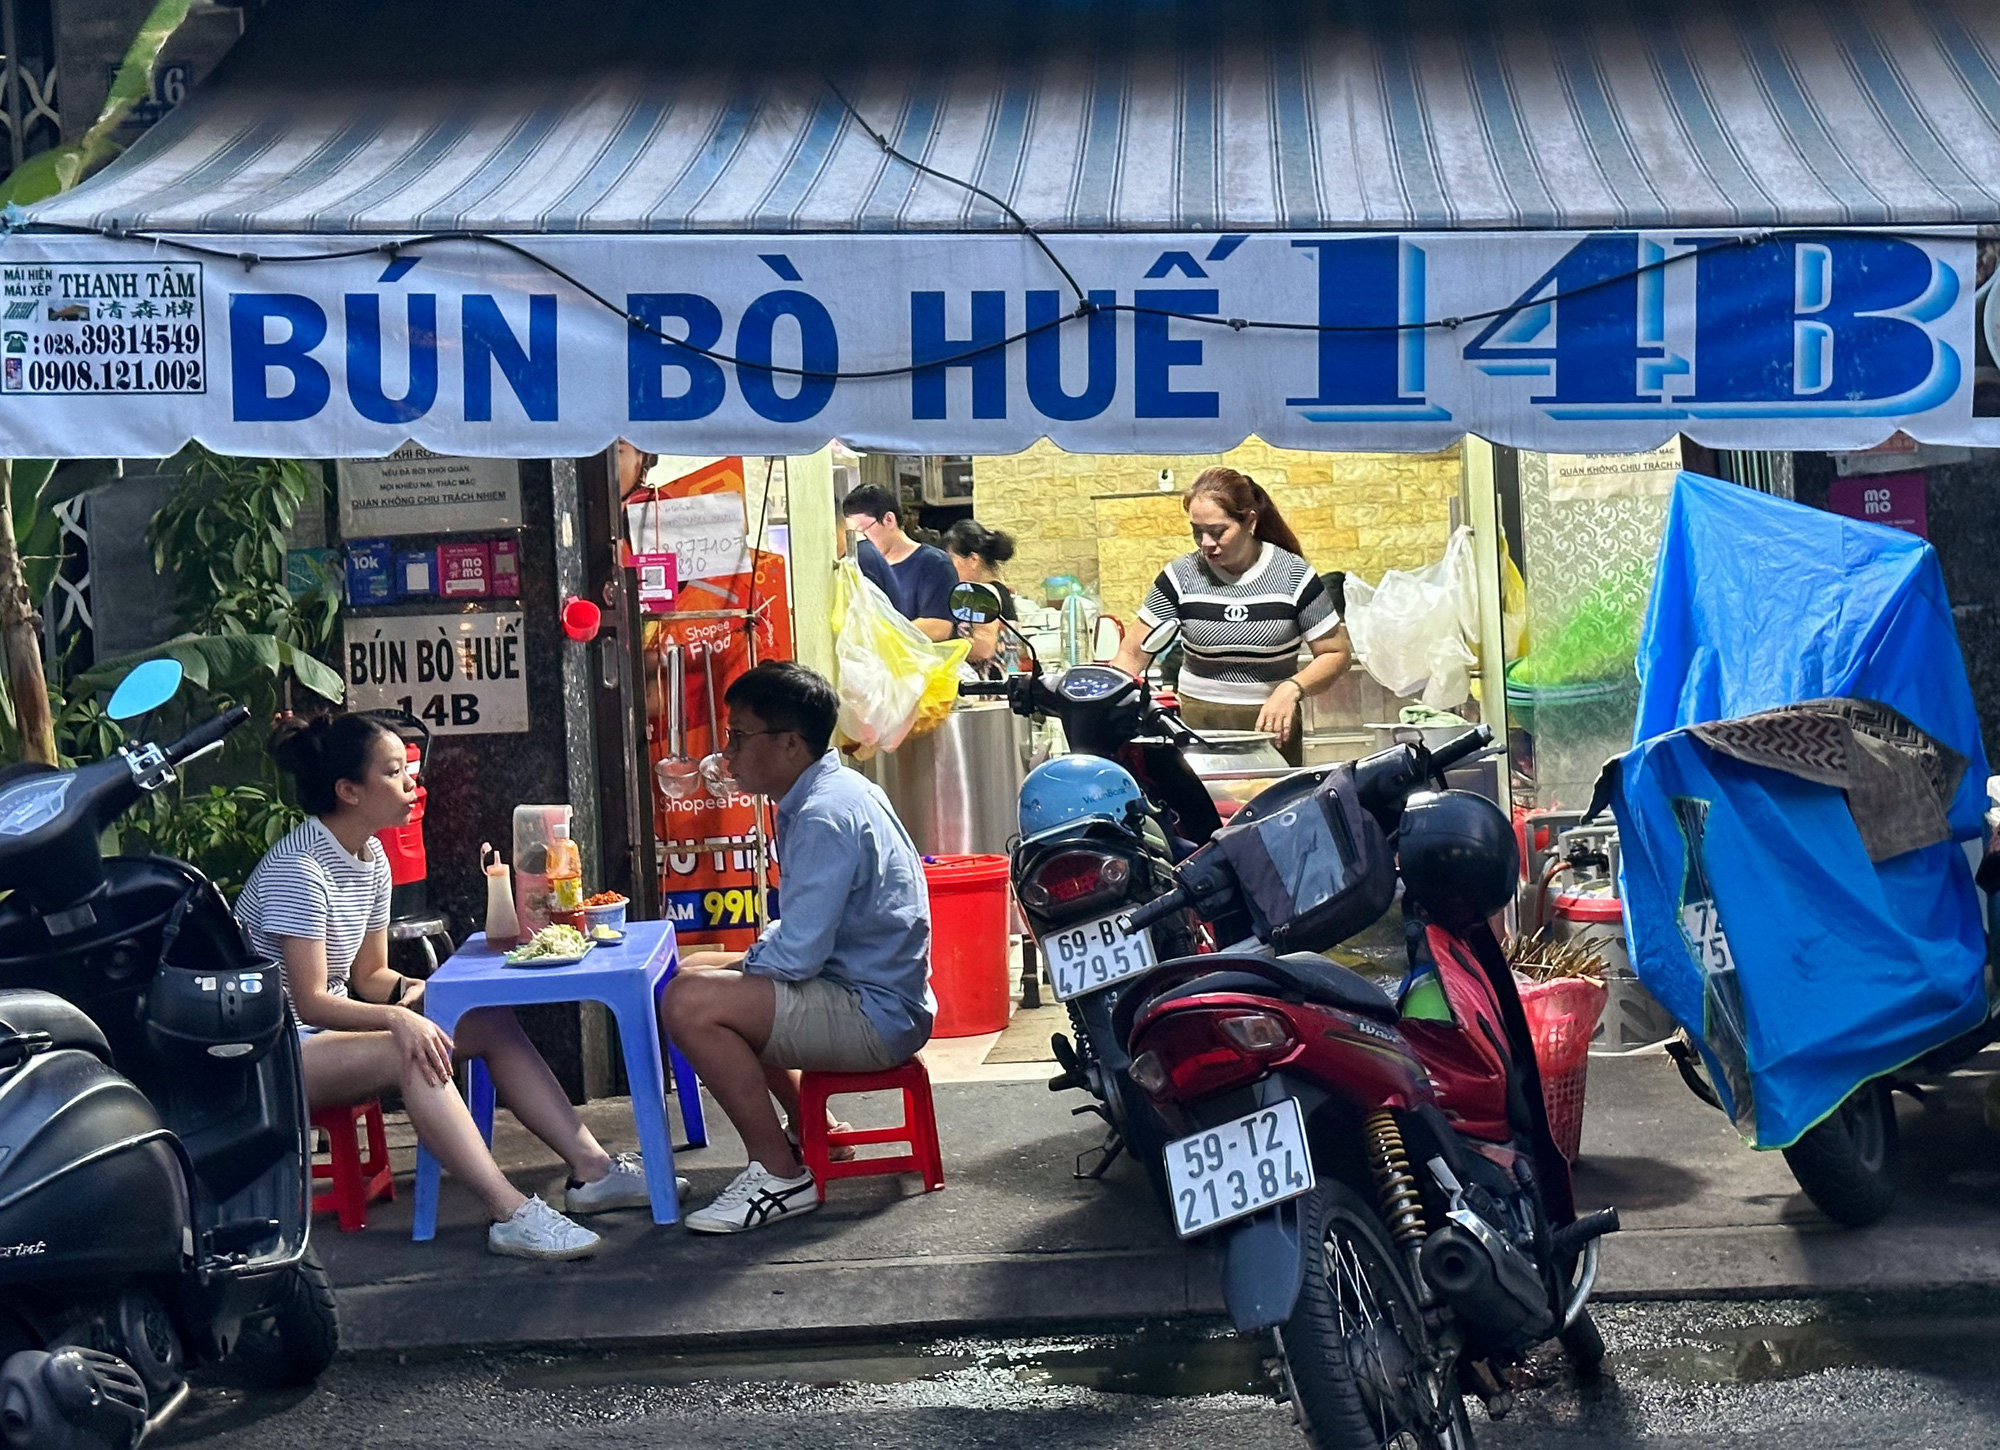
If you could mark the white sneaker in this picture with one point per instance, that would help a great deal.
(537, 1231)
(623, 1187)
(755, 1199)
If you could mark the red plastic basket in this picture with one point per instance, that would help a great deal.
(1562, 1015)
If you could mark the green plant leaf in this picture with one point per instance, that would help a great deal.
(57, 170)
(29, 475)
(41, 176)
(313, 674)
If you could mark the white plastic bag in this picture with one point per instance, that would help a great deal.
(1450, 679)
(1412, 630)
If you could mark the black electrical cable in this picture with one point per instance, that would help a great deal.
(1027, 229)
(1085, 308)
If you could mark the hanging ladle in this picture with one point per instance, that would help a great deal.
(679, 777)
(714, 766)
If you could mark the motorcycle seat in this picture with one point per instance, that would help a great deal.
(26, 1010)
(1303, 974)
(1320, 980)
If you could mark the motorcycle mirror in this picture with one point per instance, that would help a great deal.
(974, 604)
(145, 689)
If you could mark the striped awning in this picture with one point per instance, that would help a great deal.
(1126, 117)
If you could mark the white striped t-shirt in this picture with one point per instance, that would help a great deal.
(1241, 635)
(309, 886)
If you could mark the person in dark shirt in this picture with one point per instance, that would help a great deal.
(978, 553)
(918, 578)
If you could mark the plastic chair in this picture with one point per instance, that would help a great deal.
(918, 1130)
(358, 1179)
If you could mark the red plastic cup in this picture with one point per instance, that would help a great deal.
(581, 620)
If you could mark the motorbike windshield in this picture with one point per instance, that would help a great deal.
(1308, 861)
(1802, 962)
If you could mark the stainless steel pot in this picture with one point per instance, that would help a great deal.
(1226, 750)
(957, 789)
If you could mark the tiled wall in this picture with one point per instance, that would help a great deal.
(1105, 520)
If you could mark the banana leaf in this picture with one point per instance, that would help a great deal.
(221, 662)
(52, 172)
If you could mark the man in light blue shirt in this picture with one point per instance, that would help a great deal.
(841, 983)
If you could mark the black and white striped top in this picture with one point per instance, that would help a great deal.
(309, 886)
(1242, 635)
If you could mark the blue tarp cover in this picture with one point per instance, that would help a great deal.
(1748, 891)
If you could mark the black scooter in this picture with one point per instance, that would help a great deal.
(155, 1157)
(1074, 880)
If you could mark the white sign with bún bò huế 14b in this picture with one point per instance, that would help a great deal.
(461, 674)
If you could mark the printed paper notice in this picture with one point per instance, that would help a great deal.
(415, 491)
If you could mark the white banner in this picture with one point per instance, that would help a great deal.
(1561, 342)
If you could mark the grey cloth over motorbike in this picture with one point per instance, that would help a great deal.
(1899, 780)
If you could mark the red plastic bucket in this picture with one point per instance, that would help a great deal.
(404, 844)
(968, 943)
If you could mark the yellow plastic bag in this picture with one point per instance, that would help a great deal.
(893, 680)
(1513, 607)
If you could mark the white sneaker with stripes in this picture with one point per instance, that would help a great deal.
(756, 1198)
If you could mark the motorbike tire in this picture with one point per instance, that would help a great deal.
(1131, 1112)
(1583, 1346)
(1847, 1164)
(1146, 1139)
(1328, 1339)
(296, 1338)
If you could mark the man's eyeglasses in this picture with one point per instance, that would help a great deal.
(732, 740)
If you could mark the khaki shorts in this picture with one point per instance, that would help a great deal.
(819, 1026)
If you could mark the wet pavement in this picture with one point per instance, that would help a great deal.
(1884, 1372)
(1015, 1243)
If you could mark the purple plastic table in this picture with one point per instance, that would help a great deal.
(626, 977)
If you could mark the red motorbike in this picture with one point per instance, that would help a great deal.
(1381, 1169)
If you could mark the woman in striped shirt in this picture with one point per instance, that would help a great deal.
(318, 903)
(1244, 602)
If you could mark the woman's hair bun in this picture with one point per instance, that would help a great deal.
(296, 741)
(321, 752)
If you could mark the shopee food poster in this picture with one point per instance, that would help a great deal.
(706, 831)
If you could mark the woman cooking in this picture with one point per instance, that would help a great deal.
(977, 552)
(1243, 602)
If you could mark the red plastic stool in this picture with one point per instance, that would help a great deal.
(918, 1128)
(357, 1181)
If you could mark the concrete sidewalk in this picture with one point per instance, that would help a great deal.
(1016, 1241)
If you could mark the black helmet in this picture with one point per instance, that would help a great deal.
(1457, 855)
